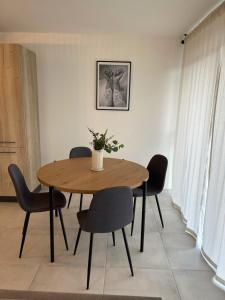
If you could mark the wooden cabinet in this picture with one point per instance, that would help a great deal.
(7, 156)
(19, 127)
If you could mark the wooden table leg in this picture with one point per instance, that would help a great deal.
(51, 189)
(143, 216)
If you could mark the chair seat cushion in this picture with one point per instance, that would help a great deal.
(39, 202)
(151, 191)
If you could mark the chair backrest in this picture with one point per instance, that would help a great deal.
(157, 171)
(80, 152)
(22, 191)
(110, 210)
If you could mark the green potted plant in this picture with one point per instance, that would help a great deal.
(100, 143)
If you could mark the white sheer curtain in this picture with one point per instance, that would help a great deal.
(213, 245)
(199, 162)
(200, 69)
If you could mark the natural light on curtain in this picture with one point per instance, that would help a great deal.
(214, 223)
(199, 162)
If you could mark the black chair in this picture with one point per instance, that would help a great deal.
(157, 173)
(111, 209)
(34, 202)
(79, 152)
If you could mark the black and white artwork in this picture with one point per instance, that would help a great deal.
(113, 85)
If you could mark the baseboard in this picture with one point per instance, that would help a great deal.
(35, 295)
(13, 198)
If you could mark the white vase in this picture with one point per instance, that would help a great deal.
(97, 160)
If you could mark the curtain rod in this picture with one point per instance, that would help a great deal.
(205, 16)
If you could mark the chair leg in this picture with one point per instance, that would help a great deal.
(77, 241)
(81, 201)
(63, 228)
(68, 205)
(89, 259)
(132, 224)
(128, 251)
(26, 221)
(113, 237)
(56, 213)
(160, 214)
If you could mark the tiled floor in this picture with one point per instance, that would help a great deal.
(170, 267)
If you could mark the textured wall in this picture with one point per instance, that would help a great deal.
(67, 88)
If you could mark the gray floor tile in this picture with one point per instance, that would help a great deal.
(139, 203)
(197, 285)
(189, 259)
(11, 215)
(63, 278)
(81, 258)
(165, 250)
(36, 246)
(40, 221)
(178, 240)
(172, 221)
(17, 276)
(182, 252)
(146, 282)
(165, 201)
(154, 255)
(150, 224)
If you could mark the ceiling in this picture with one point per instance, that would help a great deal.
(155, 17)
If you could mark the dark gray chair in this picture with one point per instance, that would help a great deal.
(74, 153)
(111, 209)
(34, 202)
(157, 173)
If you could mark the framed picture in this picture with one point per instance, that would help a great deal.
(113, 85)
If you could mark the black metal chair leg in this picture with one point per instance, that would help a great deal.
(160, 214)
(68, 205)
(113, 237)
(128, 252)
(26, 221)
(89, 259)
(51, 204)
(81, 201)
(132, 224)
(77, 241)
(56, 213)
(63, 228)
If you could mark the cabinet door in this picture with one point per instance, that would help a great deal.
(7, 157)
(12, 57)
(11, 102)
(1, 55)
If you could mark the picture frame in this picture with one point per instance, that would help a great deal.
(113, 85)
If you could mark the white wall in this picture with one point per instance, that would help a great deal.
(67, 87)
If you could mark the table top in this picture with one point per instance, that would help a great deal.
(75, 175)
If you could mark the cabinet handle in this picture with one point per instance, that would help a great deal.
(7, 142)
(1, 152)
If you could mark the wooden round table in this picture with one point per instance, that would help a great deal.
(75, 176)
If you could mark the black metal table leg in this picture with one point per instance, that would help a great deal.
(51, 189)
(68, 205)
(81, 202)
(134, 209)
(143, 216)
